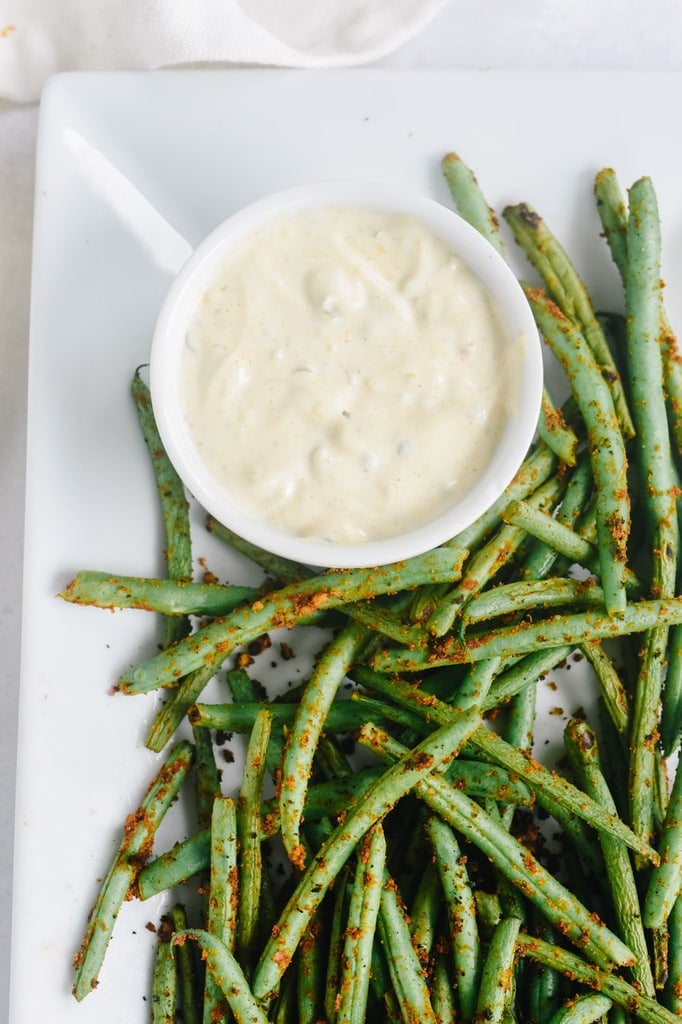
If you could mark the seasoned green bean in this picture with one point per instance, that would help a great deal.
(283, 609)
(228, 975)
(488, 561)
(582, 748)
(552, 791)
(665, 880)
(562, 539)
(583, 1010)
(438, 748)
(248, 826)
(405, 970)
(221, 918)
(173, 501)
(343, 716)
(173, 710)
(611, 985)
(514, 861)
(498, 973)
(604, 438)
(556, 433)
(141, 826)
(574, 629)
(470, 201)
(461, 911)
(659, 478)
(311, 714)
(365, 901)
(164, 984)
(571, 297)
(169, 597)
(672, 991)
(186, 961)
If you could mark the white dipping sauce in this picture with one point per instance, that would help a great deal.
(345, 375)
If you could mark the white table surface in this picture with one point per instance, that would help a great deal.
(467, 34)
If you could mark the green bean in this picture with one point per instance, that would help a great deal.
(527, 595)
(284, 609)
(405, 970)
(369, 613)
(614, 218)
(164, 984)
(561, 538)
(610, 985)
(374, 710)
(243, 689)
(222, 897)
(521, 724)
(311, 714)
(206, 776)
(513, 861)
(613, 215)
(248, 836)
(536, 468)
(425, 913)
(570, 296)
(486, 563)
(573, 629)
(613, 692)
(582, 748)
(310, 980)
(523, 673)
(470, 201)
(665, 880)
(326, 799)
(344, 716)
(228, 975)
(660, 945)
(671, 705)
(555, 432)
(473, 207)
(178, 702)
(542, 983)
(182, 861)
(659, 480)
(605, 442)
(642, 741)
(583, 1010)
(461, 911)
(477, 778)
(442, 993)
(140, 829)
(188, 981)
(498, 973)
(173, 502)
(480, 780)
(555, 794)
(543, 559)
(440, 747)
(336, 932)
(192, 855)
(363, 915)
(169, 597)
(672, 992)
(285, 1005)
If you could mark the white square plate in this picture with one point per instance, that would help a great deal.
(133, 170)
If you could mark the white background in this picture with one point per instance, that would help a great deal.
(467, 34)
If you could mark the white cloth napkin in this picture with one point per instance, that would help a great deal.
(41, 37)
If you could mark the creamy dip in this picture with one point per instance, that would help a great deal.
(345, 375)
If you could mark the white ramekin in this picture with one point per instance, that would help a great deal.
(197, 273)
